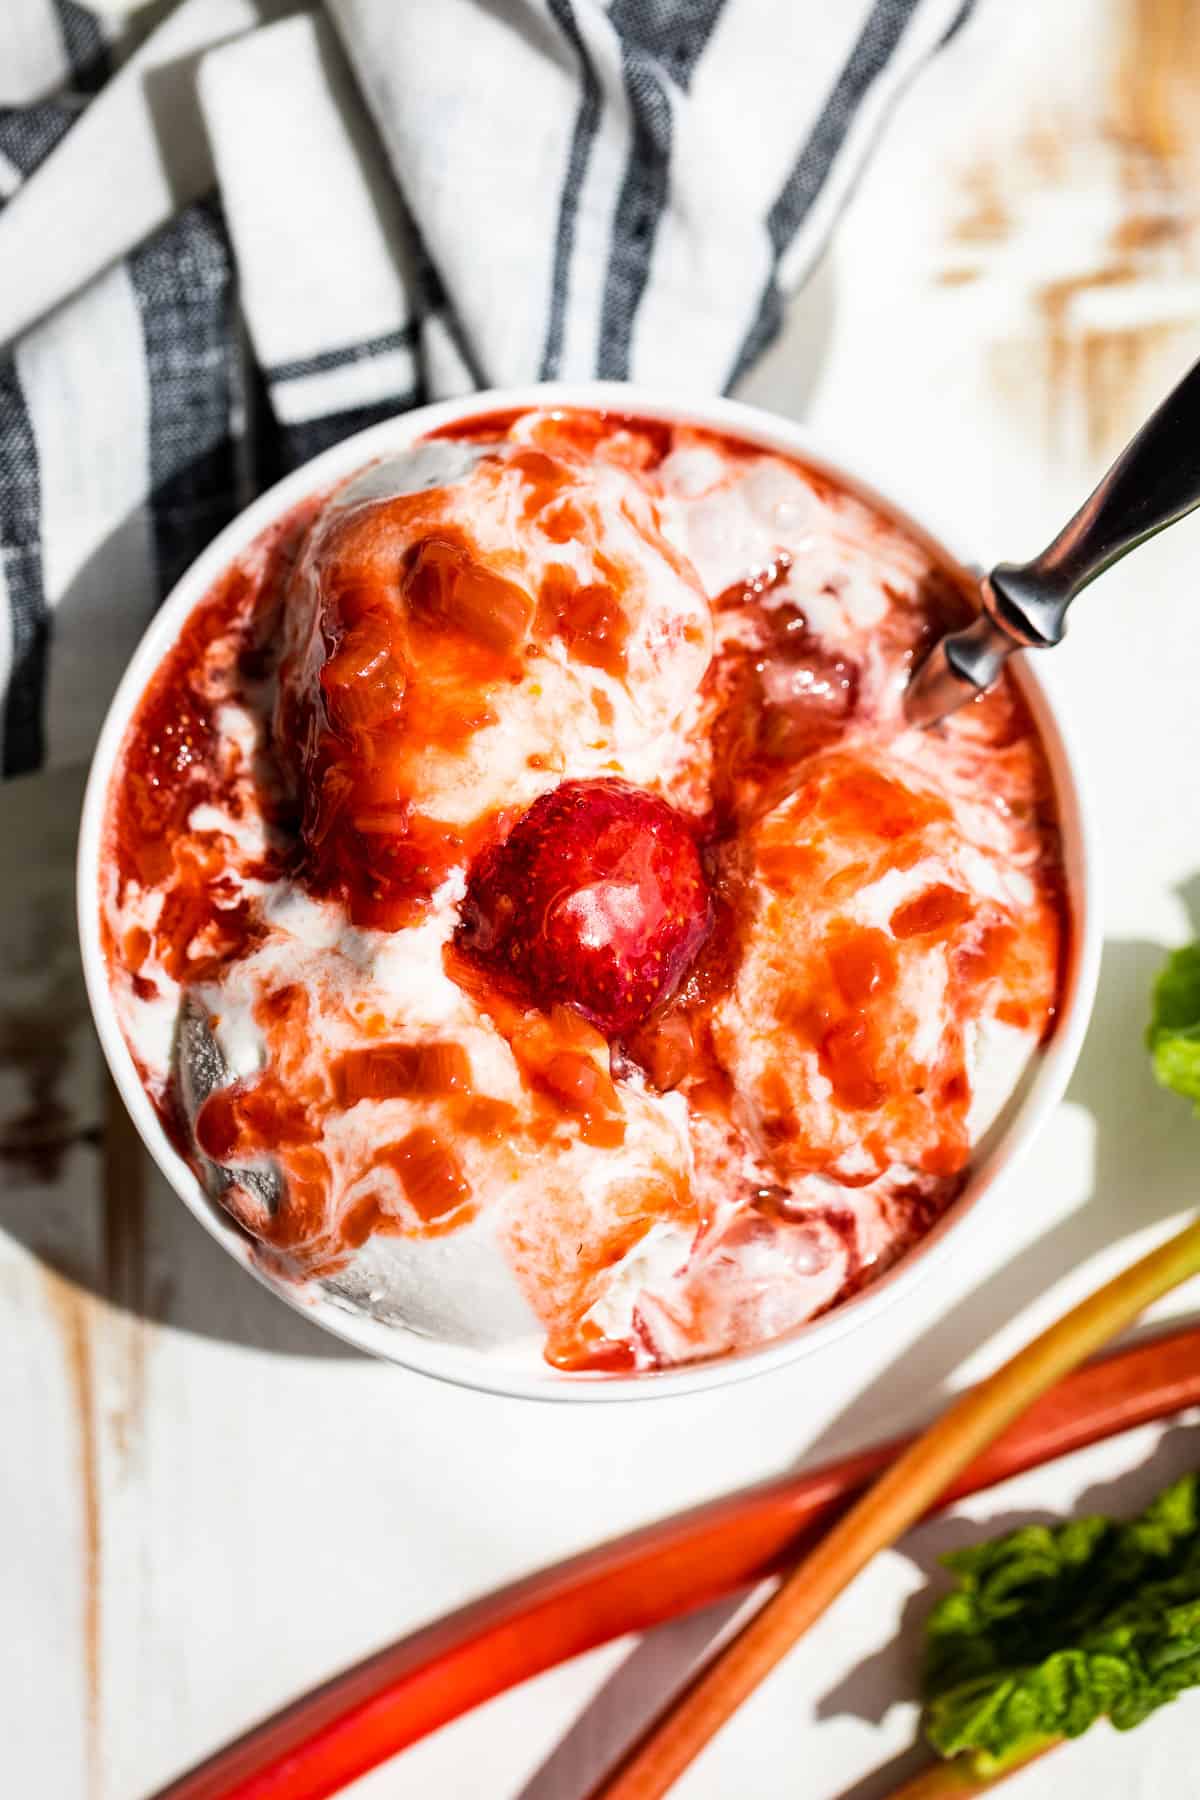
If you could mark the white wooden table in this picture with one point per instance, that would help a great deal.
(205, 1506)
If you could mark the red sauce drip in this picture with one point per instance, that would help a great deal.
(859, 801)
(843, 1038)
(170, 766)
(564, 1062)
(931, 912)
(490, 1121)
(587, 1351)
(675, 1048)
(164, 769)
(563, 522)
(415, 651)
(615, 437)
(545, 479)
(846, 1004)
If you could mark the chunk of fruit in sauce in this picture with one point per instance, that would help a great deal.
(783, 696)
(597, 899)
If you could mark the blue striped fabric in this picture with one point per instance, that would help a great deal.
(246, 363)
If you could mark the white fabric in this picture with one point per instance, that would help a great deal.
(35, 60)
(441, 73)
(88, 415)
(138, 154)
(318, 225)
(409, 200)
(672, 340)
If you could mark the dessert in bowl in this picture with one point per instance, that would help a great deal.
(525, 928)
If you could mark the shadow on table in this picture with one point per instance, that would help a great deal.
(652, 1672)
(76, 1189)
(873, 1686)
(1145, 1153)
(113, 1227)
(1144, 1164)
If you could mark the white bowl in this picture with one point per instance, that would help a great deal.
(1000, 1152)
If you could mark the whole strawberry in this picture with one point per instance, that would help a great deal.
(596, 899)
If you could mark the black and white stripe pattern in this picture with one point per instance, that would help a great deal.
(87, 46)
(27, 136)
(25, 624)
(414, 201)
(183, 284)
(660, 47)
(316, 395)
(587, 120)
(875, 47)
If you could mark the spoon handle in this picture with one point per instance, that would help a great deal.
(1154, 482)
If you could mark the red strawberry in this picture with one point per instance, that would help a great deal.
(596, 900)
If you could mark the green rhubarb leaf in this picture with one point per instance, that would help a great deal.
(1053, 1627)
(1173, 1035)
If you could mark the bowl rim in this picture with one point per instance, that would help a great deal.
(466, 1366)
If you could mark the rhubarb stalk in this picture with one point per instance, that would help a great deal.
(958, 1779)
(885, 1512)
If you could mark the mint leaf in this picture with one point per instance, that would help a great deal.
(1051, 1628)
(1173, 1035)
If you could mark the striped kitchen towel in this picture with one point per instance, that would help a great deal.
(233, 231)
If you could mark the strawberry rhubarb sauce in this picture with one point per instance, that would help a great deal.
(532, 917)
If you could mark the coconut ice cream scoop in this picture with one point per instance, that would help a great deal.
(534, 917)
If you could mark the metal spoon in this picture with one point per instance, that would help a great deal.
(199, 1070)
(1154, 482)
